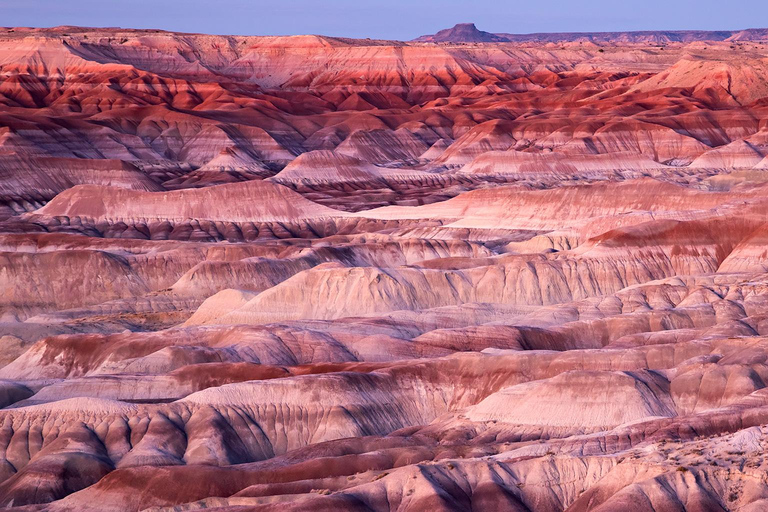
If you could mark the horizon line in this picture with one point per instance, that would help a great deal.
(566, 32)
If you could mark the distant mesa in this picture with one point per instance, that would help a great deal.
(463, 33)
(469, 33)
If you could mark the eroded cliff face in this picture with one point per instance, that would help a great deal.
(242, 273)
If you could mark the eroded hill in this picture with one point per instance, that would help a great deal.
(243, 273)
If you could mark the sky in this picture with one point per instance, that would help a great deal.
(387, 19)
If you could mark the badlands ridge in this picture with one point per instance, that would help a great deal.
(469, 272)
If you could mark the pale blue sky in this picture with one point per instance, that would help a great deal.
(393, 19)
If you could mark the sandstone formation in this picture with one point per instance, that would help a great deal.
(472, 271)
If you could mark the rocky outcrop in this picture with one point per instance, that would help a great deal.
(251, 273)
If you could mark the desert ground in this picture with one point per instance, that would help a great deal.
(467, 272)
